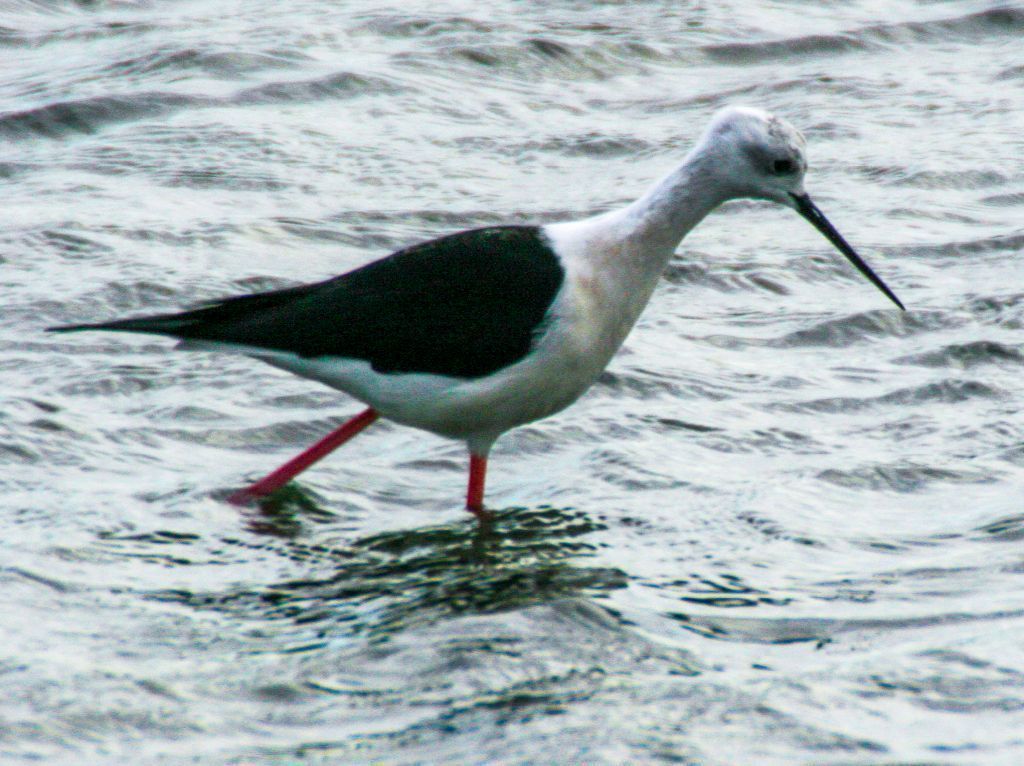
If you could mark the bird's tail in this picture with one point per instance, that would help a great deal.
(166, 324)
(212, 321)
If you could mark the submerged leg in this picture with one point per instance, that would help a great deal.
(277, 479)
(475, 492)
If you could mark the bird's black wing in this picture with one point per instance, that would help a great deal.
(464, 305)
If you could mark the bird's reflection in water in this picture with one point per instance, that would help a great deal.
(388, 582)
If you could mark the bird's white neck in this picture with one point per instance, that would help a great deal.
(614, 261)
(658, 221)
(629, 248)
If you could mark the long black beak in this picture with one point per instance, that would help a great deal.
(810, 211)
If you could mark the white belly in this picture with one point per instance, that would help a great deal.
(546, 381)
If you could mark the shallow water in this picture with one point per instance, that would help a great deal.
(784, 527)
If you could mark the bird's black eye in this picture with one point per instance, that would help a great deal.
(782, 167)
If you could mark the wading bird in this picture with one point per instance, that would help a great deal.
(475, 333)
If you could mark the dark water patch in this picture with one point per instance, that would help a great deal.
(217, 177)
(929, 214)
(758, 629)
(772, 530)
(621, 470)
(1005, 311)
(732, 442)
(73, 244)
(965, 356)
(1010, 73)
(550, 48)
(530, 674)
(1010, 199)
(943, 180)
(10, 37)
(950, 391)
(705, 272)
(67, 240)
(810, 45)
(271, 438)
(316, 230)
(638, 384)
(119, 297)
(665, 425)
(254, 284)
(453, 220)
(47, 407)
(761, 283)
(14, 453)
(28, 437)
(766, 631)
(903, 478)
(312, 399)
(10, 170)
(950, 681)
(58, 586)
(49, 425)
(768, 441)
(383, 231)
(189, 414)
(1002, 245)
(720, 591)
(1014, 454)
(852, 329)
(95, 29)
(287, 513)
(590, 145)
(975, 27)
(163, 548)
(766, 91)
(117, 380)
(351, 233)
(660, 104)
(208, 234)
(333, 86)
(478, 56)
(401, 26)
(694, 270)
(391, 582)
(534, 57)
(1008, 529)
(108, 159)
(89, 115)
(218, 63)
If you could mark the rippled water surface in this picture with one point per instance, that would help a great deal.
(785, 527)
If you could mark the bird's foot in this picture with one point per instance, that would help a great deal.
(243, 498)
(482, 514)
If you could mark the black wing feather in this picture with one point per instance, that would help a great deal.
(465, 305)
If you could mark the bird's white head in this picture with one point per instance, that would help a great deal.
(751, 153)
(756, 154)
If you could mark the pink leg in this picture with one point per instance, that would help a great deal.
(277, 479)
(475, 492)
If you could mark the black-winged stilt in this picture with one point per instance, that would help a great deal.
(472, 334)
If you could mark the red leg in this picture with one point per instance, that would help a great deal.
(277, 479)
(475, 492)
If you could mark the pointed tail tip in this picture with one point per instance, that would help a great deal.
(122, 325)
(157, 325)
(71, 328)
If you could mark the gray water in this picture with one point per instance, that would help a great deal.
(785, 527)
